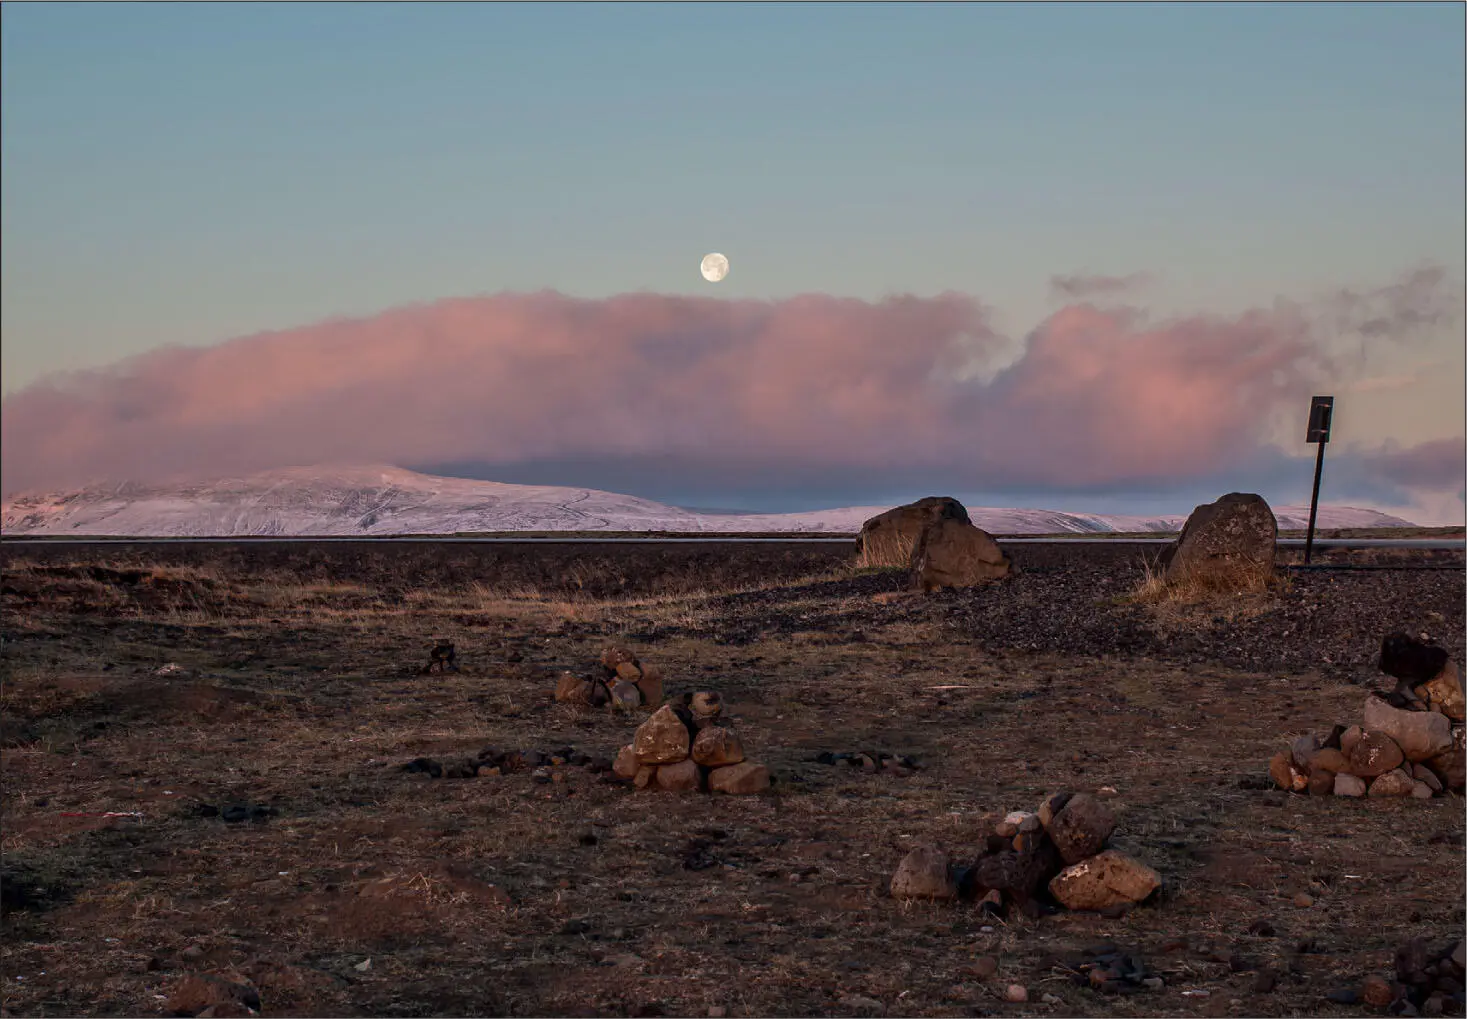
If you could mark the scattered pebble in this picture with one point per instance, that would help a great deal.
(1016, 993)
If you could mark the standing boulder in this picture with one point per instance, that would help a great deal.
(1225, 545)
(951, 553)
(889, 538)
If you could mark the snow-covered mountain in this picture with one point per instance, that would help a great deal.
(389, 500)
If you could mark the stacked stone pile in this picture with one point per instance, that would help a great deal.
(620, 680)
(688, 747)
(1410, 741)
(1058, 851)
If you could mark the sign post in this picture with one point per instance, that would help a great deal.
(1320, 411)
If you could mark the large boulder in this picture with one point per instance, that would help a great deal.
(951, 553)
(1225, 545)
(888, 539)
(1421, 735)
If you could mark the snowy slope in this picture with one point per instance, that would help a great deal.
(389, 500)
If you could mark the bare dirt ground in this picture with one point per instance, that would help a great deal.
(297, 691)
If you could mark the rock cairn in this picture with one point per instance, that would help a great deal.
(1058, 852)
(1410, 741)
(620, 680)
(687, 747)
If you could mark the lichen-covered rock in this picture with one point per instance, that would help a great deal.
(662, 739)
(924, 873)
(682, 777)
(888, 539)
(1228, 544)
(1420, 734)
(1374, 754)
(1444, 692)
(950, 553)
(717, 746)
(1103, 881)
(1081, 827)
(742, 779)
(1393, 783)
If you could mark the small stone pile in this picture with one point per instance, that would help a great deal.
(1411, 742)
(492, 761)
(620, 679)
(1060, 849)
(685, 747)
(869, 761)
(1428, 981)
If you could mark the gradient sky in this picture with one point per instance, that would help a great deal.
(184, 174)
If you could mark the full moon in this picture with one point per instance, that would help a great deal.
(715, 267)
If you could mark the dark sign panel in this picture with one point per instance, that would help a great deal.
(1319, 414)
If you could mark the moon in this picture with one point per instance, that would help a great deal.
(714, 267)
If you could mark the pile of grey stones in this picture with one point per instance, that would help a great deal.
(689, 747)
(620, 679)
(1410, 741)
(1054, 855)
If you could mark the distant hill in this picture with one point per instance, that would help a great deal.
(389, 500)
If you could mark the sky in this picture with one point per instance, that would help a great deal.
(1082, 256)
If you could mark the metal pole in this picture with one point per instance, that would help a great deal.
(1314, 505)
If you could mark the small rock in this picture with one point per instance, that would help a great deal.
(1052, 805)
(1016, 993)
(985, 966)
(1110, 878)
(1375, 754)
(1153, 983)
(683, 777)
(572, 689)
(628, 672)
(1080, 828)
(1265, 982)
(363, 966)
(1303, 748)
(625, 696)
(1444, 692)
(1321, 782)
(626, 764)
(1422, 791)
(717, 746)
(739, 779)
(1303, 901)
(1422, 773)
(646, 773)
(923, 874)
(1393, 783)
(651, 685)
(1376, 991)
(1451, 767)
(1349, 785)
(1343, 996)
(1051, 999)
(614, 655)
(662, 739)
(541, 775)
(706, 706)
(1329, 760)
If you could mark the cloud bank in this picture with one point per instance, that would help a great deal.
(722, 396)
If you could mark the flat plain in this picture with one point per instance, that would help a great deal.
(171, 682)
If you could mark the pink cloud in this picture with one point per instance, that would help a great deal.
(810, 382)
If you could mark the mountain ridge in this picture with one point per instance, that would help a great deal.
(384, 500)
